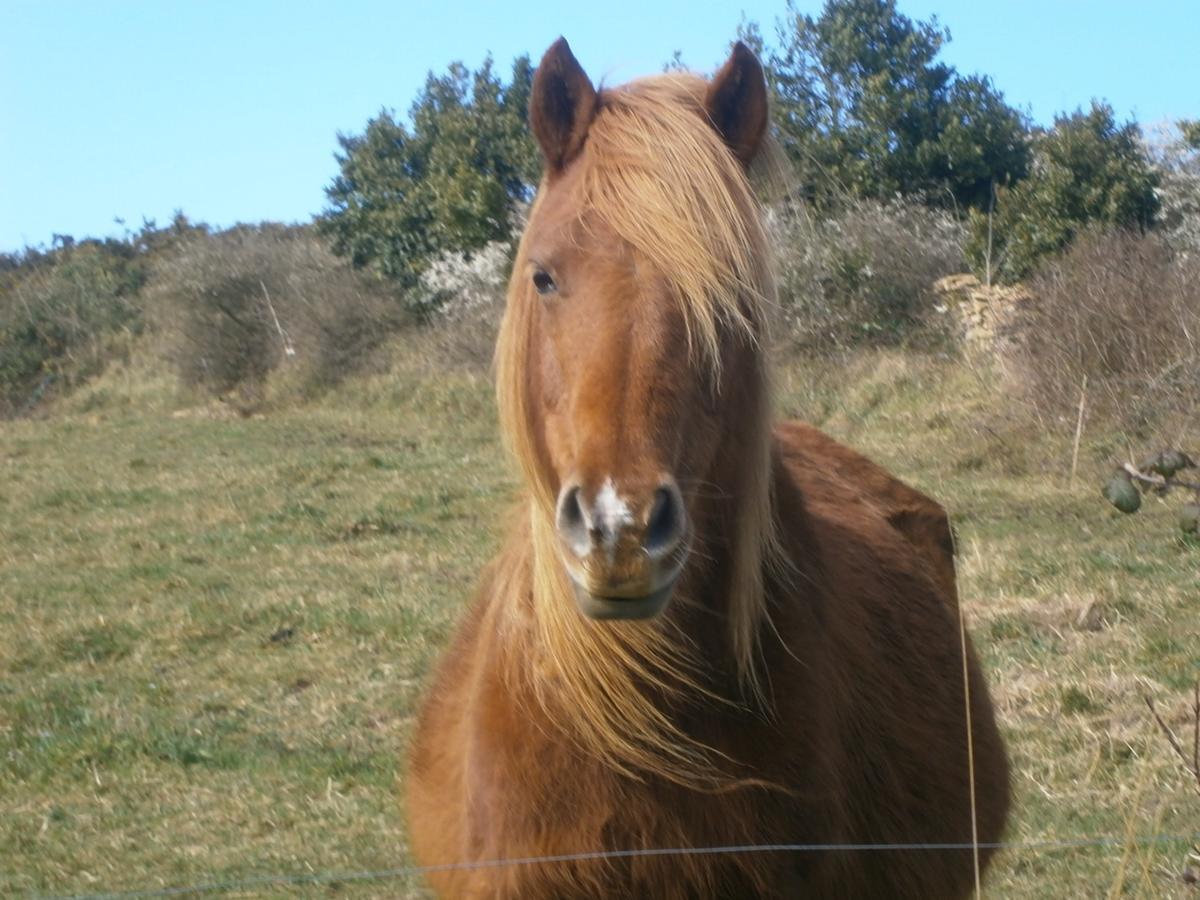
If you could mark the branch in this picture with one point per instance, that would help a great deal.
(288, 349)
(1157, 480)
(1196, 731)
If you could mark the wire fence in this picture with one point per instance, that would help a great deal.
(405, 872)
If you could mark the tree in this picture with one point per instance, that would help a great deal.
(864, 108)
(1088, 171)
(448, 180)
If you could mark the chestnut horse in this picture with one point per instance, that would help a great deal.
(701, 631)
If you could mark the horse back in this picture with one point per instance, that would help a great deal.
(879, 571)
(920, 520)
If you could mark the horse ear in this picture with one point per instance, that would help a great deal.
(561, 105)
(737, 103)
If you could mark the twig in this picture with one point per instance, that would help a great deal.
(992, 431)
(1192, 765)
(1196, 730)
(1078, 429)
(288, 349)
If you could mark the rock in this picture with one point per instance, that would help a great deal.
(1121, 493)
(986, 316)
(1189, 519)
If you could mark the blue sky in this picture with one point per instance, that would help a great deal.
(229, 110)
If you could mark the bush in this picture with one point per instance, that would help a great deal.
(228, 338)
(467, 292)
(865, 275)
(235, 306)
(60, 314)
(1122, 311)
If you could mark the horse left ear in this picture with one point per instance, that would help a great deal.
(737, 103)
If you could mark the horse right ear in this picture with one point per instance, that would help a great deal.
(561, 106)
(737, 103)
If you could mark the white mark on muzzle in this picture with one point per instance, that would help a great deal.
(611, 516)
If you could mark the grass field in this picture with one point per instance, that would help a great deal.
(214, 630)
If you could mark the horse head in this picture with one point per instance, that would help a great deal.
(637, 295)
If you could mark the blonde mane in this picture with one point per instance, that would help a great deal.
(656, 172)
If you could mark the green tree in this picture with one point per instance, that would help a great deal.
(1089, 171)
(449, 180)
(864, 108)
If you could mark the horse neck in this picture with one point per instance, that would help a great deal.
(724, 545)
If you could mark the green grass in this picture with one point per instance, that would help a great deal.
(214, 630)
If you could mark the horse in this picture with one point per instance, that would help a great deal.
(715, 657)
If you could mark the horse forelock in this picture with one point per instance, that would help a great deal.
(657, 173)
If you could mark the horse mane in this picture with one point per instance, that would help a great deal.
(657, 172)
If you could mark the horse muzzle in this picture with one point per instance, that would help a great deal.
(624, 552)
(646, 606)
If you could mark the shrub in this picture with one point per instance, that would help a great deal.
(449, 179)
(60, 314)
(467, 292)
(864, 105)
(227, 335)
(865, 275)
(235, 306)
(1177, 162)
(1122, 311)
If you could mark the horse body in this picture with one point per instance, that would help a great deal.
(804, 684)
(868, 735)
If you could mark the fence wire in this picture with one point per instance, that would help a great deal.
(319, 878)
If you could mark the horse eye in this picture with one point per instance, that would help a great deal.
(544, 283)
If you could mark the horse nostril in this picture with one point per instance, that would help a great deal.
(666, 526)
(572, 521)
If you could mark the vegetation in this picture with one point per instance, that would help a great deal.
(1161, 473)
(227, 309)
(1177, 163)
(61, 313)
(232, 308)
(874, 124)
(862, 106)
(865, 275)
(1116, 320)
